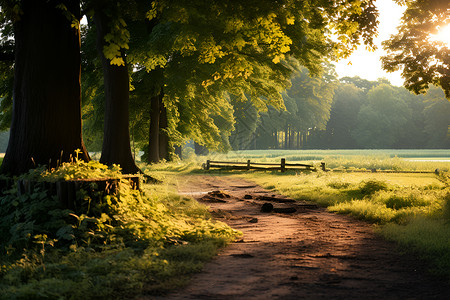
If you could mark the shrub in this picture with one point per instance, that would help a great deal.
(118, 245)
(370, 187)
(399, 202)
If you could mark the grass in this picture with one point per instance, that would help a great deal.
(399, 160)
(147, 243)
(409, 209)
(412, 209)
(162, 238)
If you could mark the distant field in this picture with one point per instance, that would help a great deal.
(399, 160)
(321, 154)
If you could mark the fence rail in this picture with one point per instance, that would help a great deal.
(282, 166)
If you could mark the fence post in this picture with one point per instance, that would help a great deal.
(248, 164)
(208, 164)
(322, 165)
(283, 165)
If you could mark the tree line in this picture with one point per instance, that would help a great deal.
(352, 113)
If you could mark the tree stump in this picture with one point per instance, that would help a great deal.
(66, 190)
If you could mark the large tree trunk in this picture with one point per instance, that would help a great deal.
(46, 117)
(164, 151)
(200, 150)
(116, 147)
(179, 151)
(153, 145)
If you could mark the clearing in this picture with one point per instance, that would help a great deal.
(307, 254)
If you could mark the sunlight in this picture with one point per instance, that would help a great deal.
(443, 35)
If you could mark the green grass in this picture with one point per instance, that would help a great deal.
(412, 209)
(399, 160)
(155, 240)
(147, 242)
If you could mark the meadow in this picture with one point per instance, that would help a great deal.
(406, 206)
(384, 159)
(150, 242)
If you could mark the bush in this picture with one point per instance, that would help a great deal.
(118, 245)
(370, 187)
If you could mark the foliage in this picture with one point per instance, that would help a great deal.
(363, 114)
(437, 117)
(210, 52)
(307, 105)
(377, 115)
(121, 245)
(423, 61)
(343, 116)
(381, 119)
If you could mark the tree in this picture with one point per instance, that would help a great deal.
(116, 147)
(307, 106)
(423, 61)
(210, 50)
(46, 112)
(381, 119)
(246, 116)
(233, 48)
(343, 117)
(437, 118)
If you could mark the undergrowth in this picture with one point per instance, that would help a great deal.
(116, 246)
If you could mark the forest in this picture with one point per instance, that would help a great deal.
(101, 100)
(343, 113)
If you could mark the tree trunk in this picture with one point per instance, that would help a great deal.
(46, 116)
(291, 138)
(275, 139)
(153, 143)
(116, 147)
(286, 137)
(179, 151)
(164, 151)
(200, 150)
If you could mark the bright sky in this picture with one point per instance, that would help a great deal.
(367, 64)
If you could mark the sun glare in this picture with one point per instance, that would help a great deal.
(443, 35)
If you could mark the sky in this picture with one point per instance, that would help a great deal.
(366, 64)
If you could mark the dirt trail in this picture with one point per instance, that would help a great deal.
(307, 254)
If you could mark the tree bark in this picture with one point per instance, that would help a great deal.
(179, 151)
(200, 150)
(286, 137)
(116, 147)
(164, 151)
(153, 143)
(46, 116)
(275, 139)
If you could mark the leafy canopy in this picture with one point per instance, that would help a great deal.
(423, 61)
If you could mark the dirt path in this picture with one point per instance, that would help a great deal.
(307, 254)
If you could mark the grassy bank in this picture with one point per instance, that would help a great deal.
(115, 247)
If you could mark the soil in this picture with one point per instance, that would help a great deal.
(297, 250)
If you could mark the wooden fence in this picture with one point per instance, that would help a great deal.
(282, 166)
